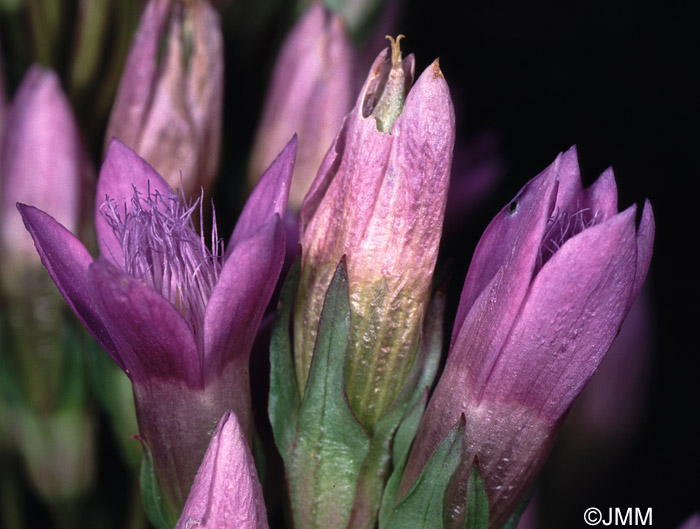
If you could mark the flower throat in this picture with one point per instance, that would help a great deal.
(162, 249)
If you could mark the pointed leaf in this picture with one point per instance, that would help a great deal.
(477, 511)
(331, 445)
(401, 447)
(283, 405)
(159, 515)
(425, 502)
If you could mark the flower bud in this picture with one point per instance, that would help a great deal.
(379, 199)
(226, 491)
(169, 102)
(549, 285)
(177, 315)
(42, 162)
(309, 94)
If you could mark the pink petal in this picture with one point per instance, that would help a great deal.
(226, 492)
(153, 338)
(121, 171)
(269, 198)
(67, 262)
(241, 295)
(41, 162)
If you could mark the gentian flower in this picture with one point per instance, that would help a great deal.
(379, 199)
(43, 162)
(226, 492)
(309, 94)
(169, 103)
(549, 285)
(178, 316)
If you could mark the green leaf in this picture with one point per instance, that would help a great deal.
(331, 445)
(283, 406)
(424, 504)
(158, 513)
(477, 510)
(402, 445)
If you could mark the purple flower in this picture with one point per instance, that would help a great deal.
(549, 285)
(176, 313)
(168, 109)
(42, 162)
(226, 492)
(379, 200)
(309, 94)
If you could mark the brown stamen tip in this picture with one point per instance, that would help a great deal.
(395, 50)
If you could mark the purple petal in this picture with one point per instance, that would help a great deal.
(573, 312)
(310, 92)
(241, 295)
(405, 220)
(357, 144)
(135, 92)
(645, 245)
(269, 198)
(570, 194)
(178, 130)
(691, 523)
(153, 338)
(41, 162)
(67, 262)
(226, 491)
(512, 242)
(601, 196)
(121, 171)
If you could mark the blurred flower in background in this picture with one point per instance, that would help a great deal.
(309, 94)
(168, 107)
(48, 415)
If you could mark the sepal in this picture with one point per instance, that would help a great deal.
(159, 514)
(477, 508)
(405, 434)
(330, 445)
(425, 502)
(283, 404)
